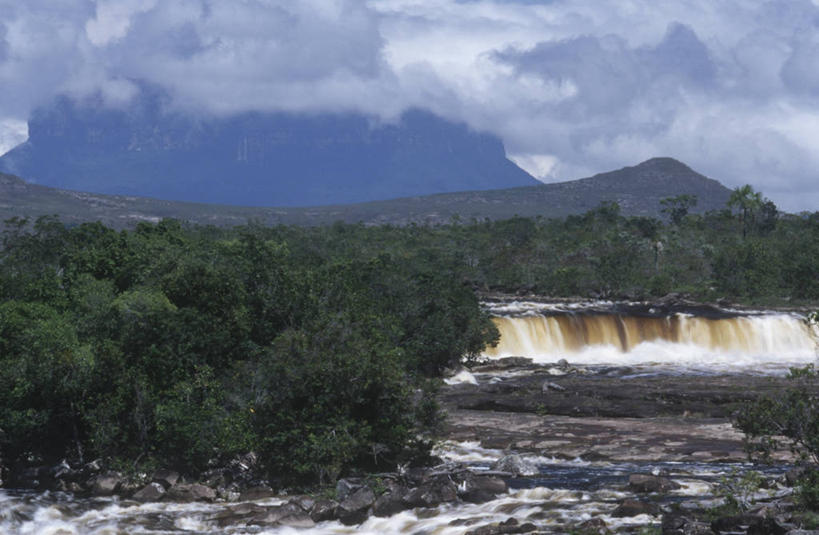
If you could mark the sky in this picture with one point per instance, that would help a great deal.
(572, 87)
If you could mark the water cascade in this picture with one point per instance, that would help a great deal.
(615, 338)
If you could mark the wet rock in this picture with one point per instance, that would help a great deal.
(323, 510)
(629, 507)
(152, 492)
(105, 484)
(355, 507)
(166, 478)
(194, 492)
(678, 523)
(508, 526)
(649, 483)
(475, 488)
(288, 515)
(305, 503)
(389, 504)
(237, 514)
(297, 520)
(550, 386)
(803, 532)
(516, 464)
(432, 492)
(346, 486)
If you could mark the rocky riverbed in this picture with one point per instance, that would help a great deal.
(551, 448)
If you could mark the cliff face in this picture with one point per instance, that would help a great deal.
(257, 159)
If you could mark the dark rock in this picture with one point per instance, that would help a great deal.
(548, 385)
(679, 524)
(507, 526)
(194, 492)
(629, 507)
(324, 510)
(480, 488)
(237, 514)
(766, 526)
(305, 503)
(733, 523)
(436, 490)
(297, 520)
(278, 515)
(389, 504)
(166, 478)
(516, 464)
(355, 507)
(347, 486)
(650, 483)
(64, 472)
(152, 492)
(105, 484)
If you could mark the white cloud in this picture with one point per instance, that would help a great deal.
(572, 86)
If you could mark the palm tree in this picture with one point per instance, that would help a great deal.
(747, 202)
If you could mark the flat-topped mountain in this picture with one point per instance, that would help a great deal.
(256, 159)
(637, 189)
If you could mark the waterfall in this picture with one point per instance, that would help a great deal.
(615, 338)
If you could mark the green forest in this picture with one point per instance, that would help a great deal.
(319, 347)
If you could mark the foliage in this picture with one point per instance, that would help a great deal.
(315, 346)
(187, 346)
(790, 415)
(676, 208)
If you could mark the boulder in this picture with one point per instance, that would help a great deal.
(432, 492)
(474, 488)
(649, 483)
(236, 514)
(346, 486)
(194, 492)
(516, 464)
(323, 510)
(152, 492)
(105, 484)
(389, 504)
(166, 478)
(354, 509)
(629, 507)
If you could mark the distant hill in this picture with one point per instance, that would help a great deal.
(637, 189)
(256, 159)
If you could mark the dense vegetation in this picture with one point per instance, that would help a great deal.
(186, 347)
(313, 346)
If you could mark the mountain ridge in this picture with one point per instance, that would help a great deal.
(637, 189)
